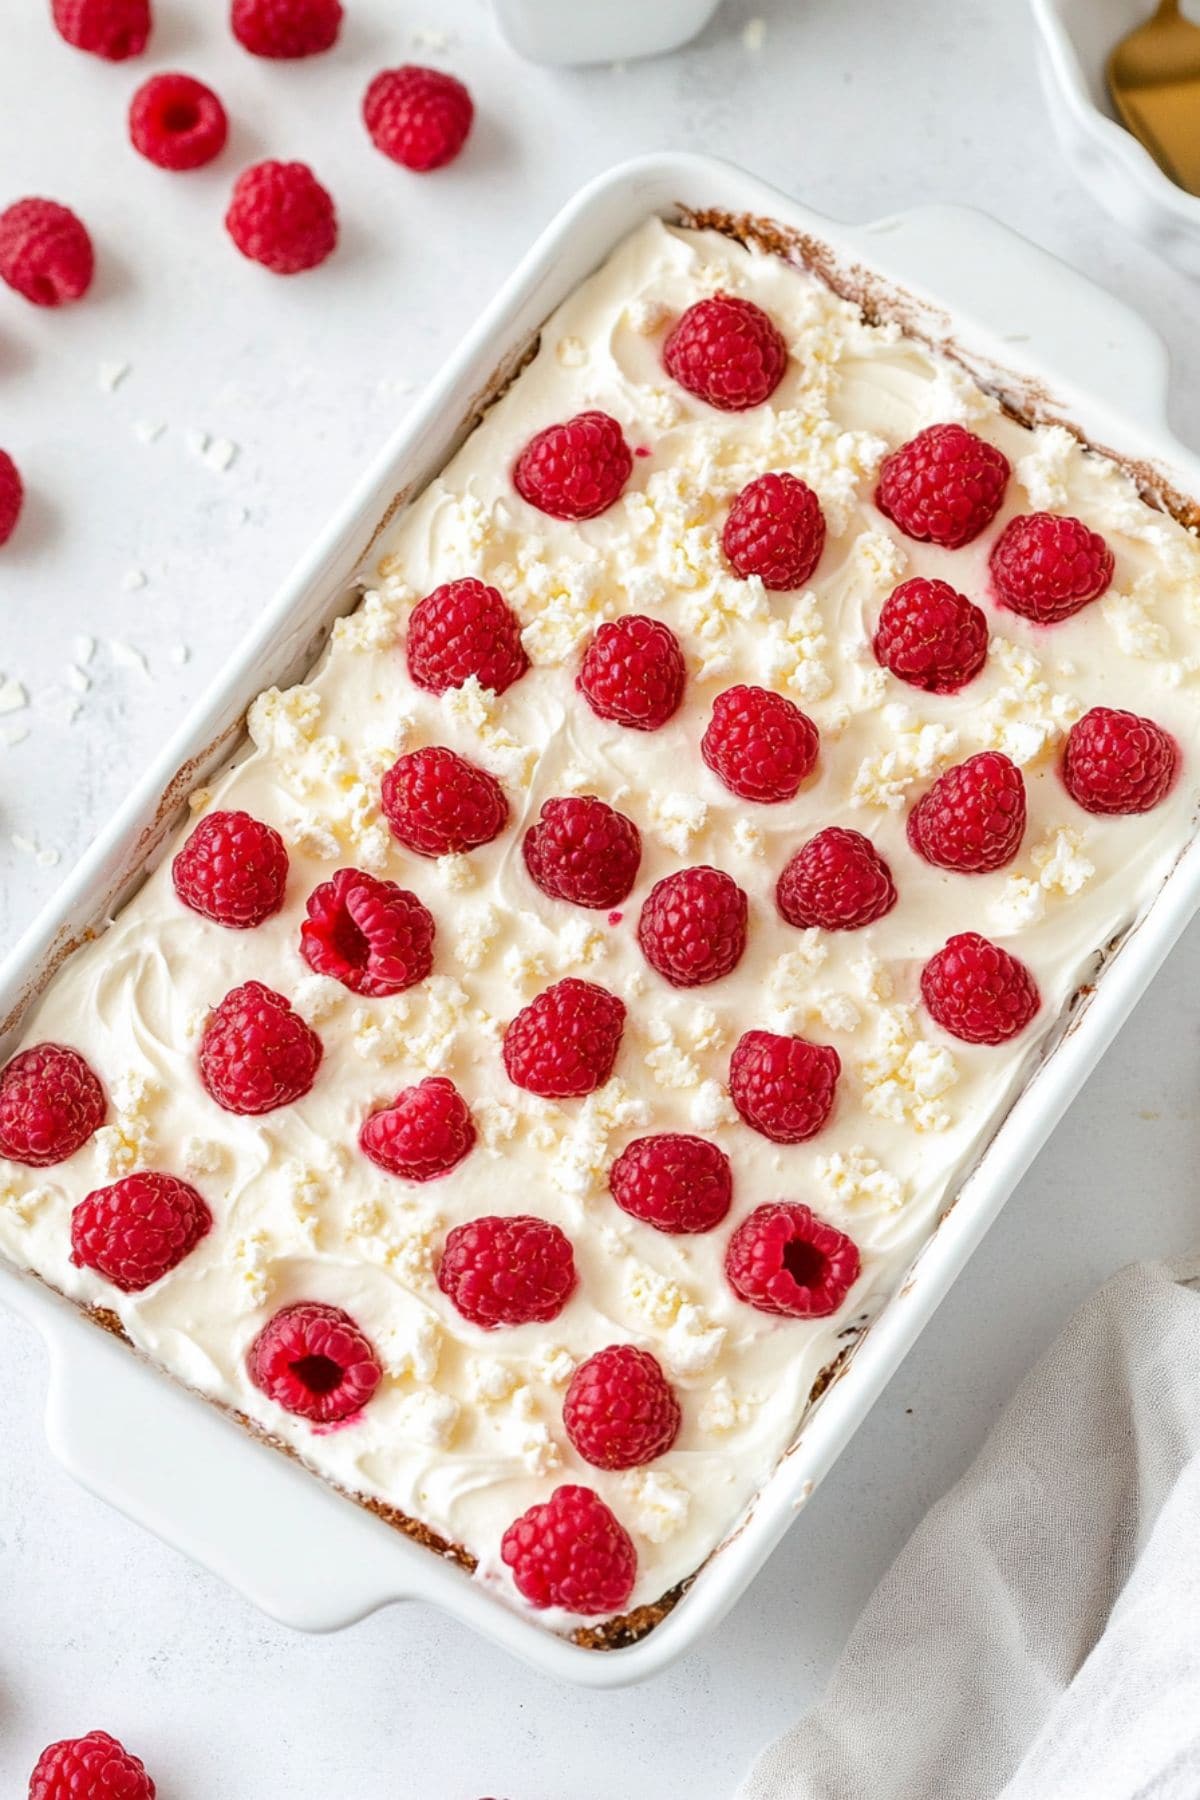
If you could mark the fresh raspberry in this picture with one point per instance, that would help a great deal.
(232, 870)
(439, 804)
(726, 351)
(973, 817)
(784, 1259)
(620, 1410)
(676, 1183)
(633, 672)
(45, 252)
(113, 29)
(285, 29)
(931, 636)
(692, 928)
(1115, 762)
(836, 882)
(1046, 567)
(759, 744)
(139, 1229)
(373, 936)
(12, 496)
(315, 1362)
(584, 851)
(418, 117)
(507, 1271)
(281, 216)
(978, 992)
(775, 530)
(574, 470)
(573, 1553)
(465, 629)
(425, 1132)
(177, 122)
(944, 486)
(783, 1087)
(50, 1104)
(256, 1053)
(95, 1767)
(565, 1042)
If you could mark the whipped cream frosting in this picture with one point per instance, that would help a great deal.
(466, 1431)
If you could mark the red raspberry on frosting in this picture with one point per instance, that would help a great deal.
(507, 1271)
(571, 1552)
(285, 29)
(784, 1259)
(373, 936)
(45, 252)
(676, 1183)
(838, 881)
(775, 530)
(575, 470)
(620, 1410)
(281, 216)
(113, 29)
(425, 1132)
(315, 1361)
(138, 1229)
(465, 629)
(1116, 762)
(232, 869)
(50, 1104)
(978, 992)
(944, 486)
(783, 1087)
(439, 804)
(418, 117)
(760, 745)
(582, 850)
(726, 351)
(931, 636)
(692, 928)
(633, 672)
(1045, 567)
(256, 1054)
(177, 122)
(95, 1767)
(565, 1042)
(973, 817)
(12, 496)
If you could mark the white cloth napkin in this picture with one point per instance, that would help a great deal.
(1039, 1636)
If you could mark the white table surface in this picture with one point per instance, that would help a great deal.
(862, 108)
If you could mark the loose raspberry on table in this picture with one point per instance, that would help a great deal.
(726, 351)
(692, 928)
(285, 29)
(565, 1042)
(113, 29)
(583, 850)
(51, 1102)
(633, 672)
(12, 496)
(1046, 567)
(571, 1552)
(620, 1410)
(281, 216)
(784, 1259)
(1116, 762)
(425, 1132)
(315, 1361)
(507, 1271)
(177, 122)
(256, 1054)
(678, 1184)
(775, 530)
(233, 870)
(838, 881)
(439, 804)
(931, 636)
(944, 486)
(783, 1087)
(373, 936)
(45, 252)
(973, 817)
(138, 1229)
(575, 470)
(462, 629)
(419, 117)
(95, 1767)
(978, 992)
(760, 744)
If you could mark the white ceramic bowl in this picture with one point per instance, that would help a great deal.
(1075, 37)
(588, 31)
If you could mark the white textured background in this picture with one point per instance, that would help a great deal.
(862, 107)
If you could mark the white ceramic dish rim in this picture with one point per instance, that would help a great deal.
(1043, 336)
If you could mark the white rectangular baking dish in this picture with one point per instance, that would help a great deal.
(1051, 344)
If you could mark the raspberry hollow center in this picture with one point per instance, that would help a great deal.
(805, 1263)
(350, 941)
(180, 117)
(319, 1374)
